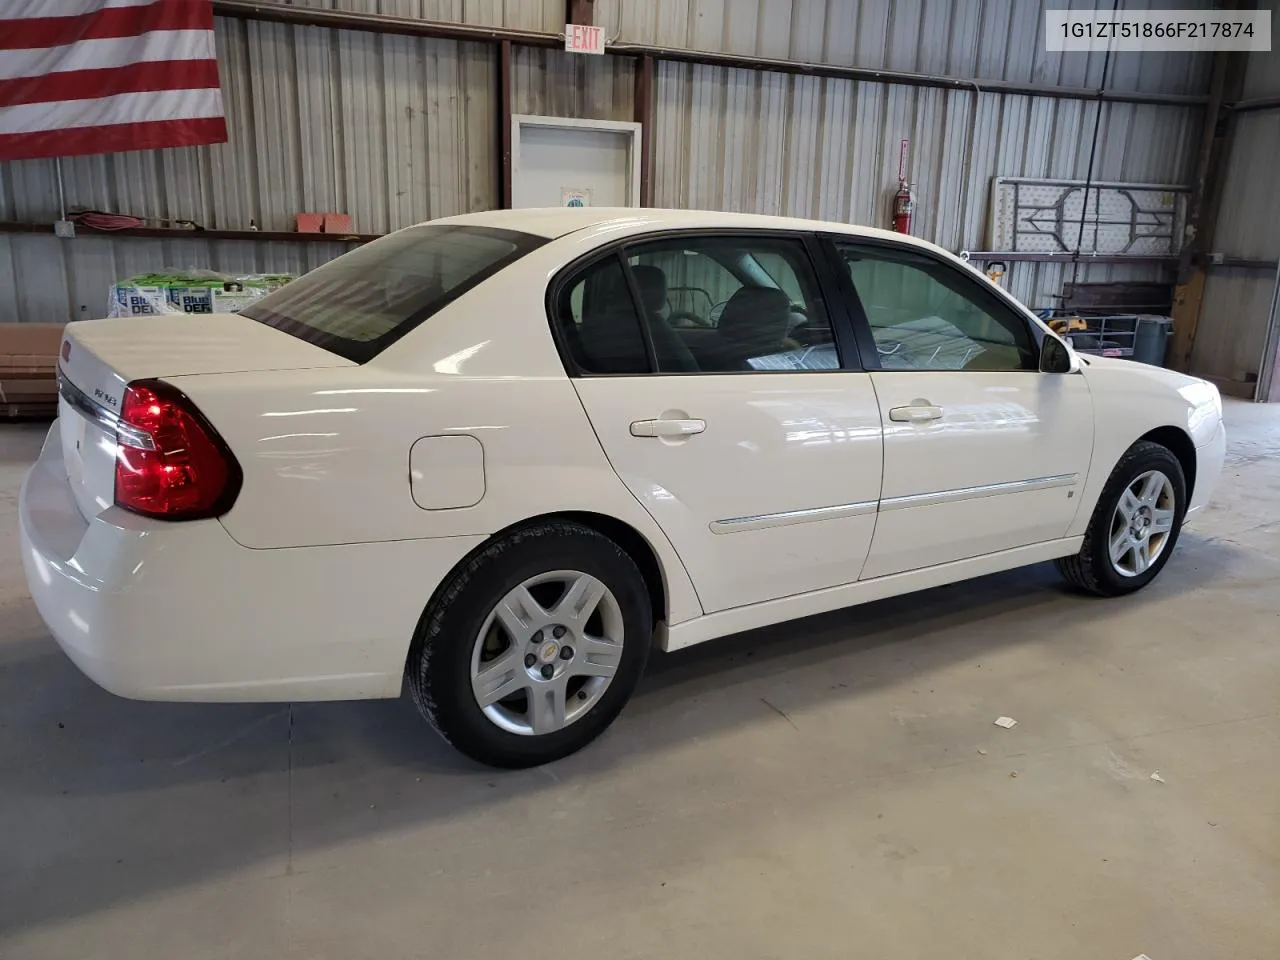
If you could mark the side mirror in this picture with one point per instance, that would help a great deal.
(1057, 357)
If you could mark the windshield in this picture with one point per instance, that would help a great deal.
(359, 304)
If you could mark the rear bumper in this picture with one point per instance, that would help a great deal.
(180, 611)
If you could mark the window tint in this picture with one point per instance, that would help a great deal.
(695, 283)
(598, 321)
(925, 315)
(780, 272)
(732, 304)
(360, 303)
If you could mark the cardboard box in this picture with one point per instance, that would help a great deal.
(29, 349)
(29, 389)
(28, 369)
(195, 294)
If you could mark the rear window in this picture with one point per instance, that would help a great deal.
(359, 304)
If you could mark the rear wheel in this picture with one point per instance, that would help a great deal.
(1134, 526)
(533, 648)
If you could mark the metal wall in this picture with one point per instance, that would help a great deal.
(984, 39)
(394, 130)
(825, 148)
(1236, 312)
(553, 83)
(543, 16)
(390, 129)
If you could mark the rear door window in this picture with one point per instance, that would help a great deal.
(359, 304)
(761, 308)
(599, 324)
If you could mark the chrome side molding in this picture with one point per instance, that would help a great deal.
(865, 507)
(102, 415)
(810, 515)
(978, 493)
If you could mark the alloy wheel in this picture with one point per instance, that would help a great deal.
(1141, 524)
(547, 652)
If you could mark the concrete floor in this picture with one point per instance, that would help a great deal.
(832, 788)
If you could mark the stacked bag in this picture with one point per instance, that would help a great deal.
(194, 291)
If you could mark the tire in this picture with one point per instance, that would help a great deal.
(1093, 569)
(452, 666)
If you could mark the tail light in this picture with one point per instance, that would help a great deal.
(170, 462)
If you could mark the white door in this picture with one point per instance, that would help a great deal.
(560, 162)
(727, 415)
(982, 451)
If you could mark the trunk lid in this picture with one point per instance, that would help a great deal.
(99, 358)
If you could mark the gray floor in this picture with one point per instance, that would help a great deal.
(832, 788)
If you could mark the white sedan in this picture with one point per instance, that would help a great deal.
(504, 455)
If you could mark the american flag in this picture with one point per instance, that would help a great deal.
(97, 76)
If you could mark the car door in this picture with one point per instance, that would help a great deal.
(982, 451)
(733, 422)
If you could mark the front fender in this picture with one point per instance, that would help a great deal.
(1130, 400)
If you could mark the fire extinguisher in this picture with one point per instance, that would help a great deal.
(904, 204)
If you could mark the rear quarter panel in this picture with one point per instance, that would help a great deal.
(325, 453)
(1129, 401)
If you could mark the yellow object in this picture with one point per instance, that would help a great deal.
(1061, 325)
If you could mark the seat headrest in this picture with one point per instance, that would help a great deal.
(756, 316)
(653, 287)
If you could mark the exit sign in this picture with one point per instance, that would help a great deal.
(580, 39)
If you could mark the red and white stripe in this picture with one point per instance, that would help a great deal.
(107, 75)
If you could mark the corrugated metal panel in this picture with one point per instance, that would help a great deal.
(1251, 193)
(1233, 324)
(553, 83)
(392, 130)
(986, 39)
(47, 280)
(1236, 308)
(541, 15)
(828, 149)
(1262, 79)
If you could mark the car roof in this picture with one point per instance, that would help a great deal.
(553, 222)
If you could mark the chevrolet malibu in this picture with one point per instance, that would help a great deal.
(502, 456)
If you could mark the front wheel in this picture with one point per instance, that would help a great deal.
(534, 646)
(1134, 526)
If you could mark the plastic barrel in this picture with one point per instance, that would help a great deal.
(1150, 341)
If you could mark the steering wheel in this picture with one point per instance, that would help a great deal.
(887, 348)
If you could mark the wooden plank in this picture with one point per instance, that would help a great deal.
(1138, 296)
(1187, 298)
(1241, 389)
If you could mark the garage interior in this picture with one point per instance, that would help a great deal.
(829, 788)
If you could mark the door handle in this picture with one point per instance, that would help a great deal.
(667, 428)
(918, 411)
